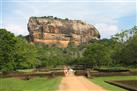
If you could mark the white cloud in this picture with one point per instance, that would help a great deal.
(107, 30)
(16, 29)
(0, 23)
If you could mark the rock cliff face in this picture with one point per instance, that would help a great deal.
(61, 32)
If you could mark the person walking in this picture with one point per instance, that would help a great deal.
(65, 70)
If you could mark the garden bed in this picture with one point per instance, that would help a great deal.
(112, 69)
(127, 84)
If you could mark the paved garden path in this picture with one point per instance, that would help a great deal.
(78, 83)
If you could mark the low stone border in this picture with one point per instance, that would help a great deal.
(32, 74)
(92, 73)
(125, 86)
(98, 74)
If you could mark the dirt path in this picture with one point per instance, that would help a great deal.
(78, 83)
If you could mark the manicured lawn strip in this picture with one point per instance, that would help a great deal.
(100, 81)
(34, 84)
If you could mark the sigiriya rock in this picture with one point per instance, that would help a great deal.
(61, 32)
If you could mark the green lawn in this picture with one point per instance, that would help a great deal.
(100, 81)
(34, 84)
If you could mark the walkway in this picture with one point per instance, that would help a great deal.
(78, 83)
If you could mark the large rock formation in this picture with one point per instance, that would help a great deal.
(60, 32)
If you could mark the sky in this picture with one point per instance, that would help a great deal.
(108, 16)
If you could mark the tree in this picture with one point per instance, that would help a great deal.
(26, 54)
(129, 52)
(7, 50)
(125, 35)
(16, 52)
(97, 55)
(125, 52)
(50, 56)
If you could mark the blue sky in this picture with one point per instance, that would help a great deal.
(108, 16)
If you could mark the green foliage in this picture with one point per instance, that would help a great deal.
(17, 53)
(26, 54)
(125, 35)
(53, 56)
(99, 53)
(49, 56)
(120, 50)
(129, 52)
(126, 52)
(7, 50)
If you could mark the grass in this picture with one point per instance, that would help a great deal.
(34, 84)
(100, 81)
